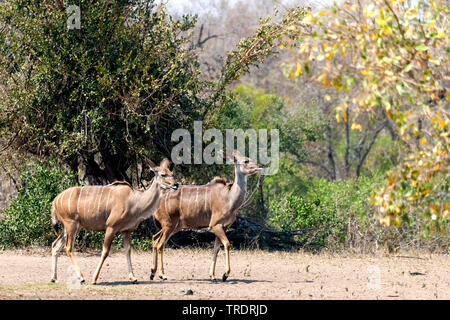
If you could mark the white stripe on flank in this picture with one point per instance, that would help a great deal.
(78, 201)
(70, 197)
(196, 196)
(57, 201)
(107, 201)
(99, 199)
(188, 202)
(181, 199)
(60, 199)
(92, 201)
(86, 200)
(96, 196)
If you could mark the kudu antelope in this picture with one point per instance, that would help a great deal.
(113, 208)
(214, 205)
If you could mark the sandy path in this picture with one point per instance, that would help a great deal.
(254, 275)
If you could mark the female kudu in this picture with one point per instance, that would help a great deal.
(113, 208)
(214, 205)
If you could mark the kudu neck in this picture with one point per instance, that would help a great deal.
(152, 192)
(237, 192)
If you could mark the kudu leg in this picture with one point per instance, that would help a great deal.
(127, 247)
(57, 247)
(160, 248)
(220, 233)
(109, 236)
(216, 250)
(165, 236)
(155, 239)
(71, 233)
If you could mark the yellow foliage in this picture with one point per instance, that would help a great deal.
(298, 71)
(375, 62)
(344, 116)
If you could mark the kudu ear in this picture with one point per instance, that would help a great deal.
(225, 156)
(151, 164)
(165, 163)
(237, 154)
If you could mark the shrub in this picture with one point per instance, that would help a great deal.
(293, 212)
(331, 212)
(27, 218)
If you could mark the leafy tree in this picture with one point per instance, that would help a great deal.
(388, 57)
(104, 96)
(108, 91)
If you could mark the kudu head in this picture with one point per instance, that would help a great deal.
(246, 165)
(163, 174)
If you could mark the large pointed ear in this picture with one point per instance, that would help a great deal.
(237, 154)
(227, 157)
(165, 163)
(151, 164)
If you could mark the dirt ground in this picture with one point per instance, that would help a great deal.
(25, 274)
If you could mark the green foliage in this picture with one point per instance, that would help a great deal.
(110, 90)
(324, 211)
(384, 155)
(291, 178)
(27, 218)
(387, 57)
(253, 108)
(249, 107)
(293, 212)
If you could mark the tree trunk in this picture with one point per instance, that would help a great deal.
(347, 146)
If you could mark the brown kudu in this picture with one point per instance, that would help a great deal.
(113, 208)
(214, 205)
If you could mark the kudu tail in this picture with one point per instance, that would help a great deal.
(54, 220)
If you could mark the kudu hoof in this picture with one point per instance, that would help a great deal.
(82, 281)
(224, 277)
(164, 278)
(152, 276)
(54, 281)
(133, 280)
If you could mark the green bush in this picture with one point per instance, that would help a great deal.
(293, 212)
(27, 218)
(330, 211)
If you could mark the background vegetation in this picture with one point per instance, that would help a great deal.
(364, 147)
